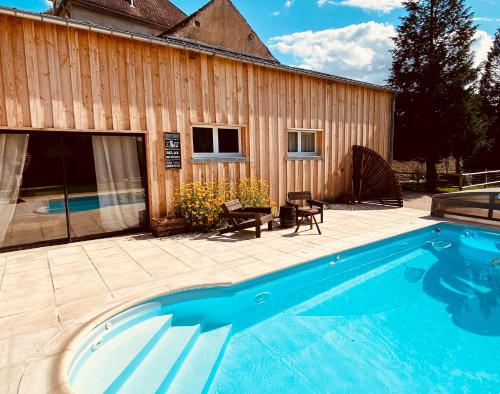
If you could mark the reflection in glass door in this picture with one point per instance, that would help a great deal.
(31, 183)
(106, 181)
(63, 187)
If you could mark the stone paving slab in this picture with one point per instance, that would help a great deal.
(44, 290)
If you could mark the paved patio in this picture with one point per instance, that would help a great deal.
(44, 291)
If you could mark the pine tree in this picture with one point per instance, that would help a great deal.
(489, 91)
(433, 71)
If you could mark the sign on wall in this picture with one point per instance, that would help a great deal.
(173, 150)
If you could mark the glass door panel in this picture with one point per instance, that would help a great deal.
(32, 205)
(106, 184)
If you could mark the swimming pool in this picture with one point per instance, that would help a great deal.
(415, 313)
(87, 203)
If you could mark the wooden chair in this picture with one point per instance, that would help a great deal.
(315, 208)
(240, 218)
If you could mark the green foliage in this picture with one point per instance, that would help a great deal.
(436, 111)
(254, 192)
(200, 203)
(489, 90)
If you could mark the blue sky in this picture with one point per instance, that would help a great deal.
(343, 37)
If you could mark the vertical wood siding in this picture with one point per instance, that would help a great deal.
(60, 77)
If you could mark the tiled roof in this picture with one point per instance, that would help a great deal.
(161, 12)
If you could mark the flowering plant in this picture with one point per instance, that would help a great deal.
(254, 192)
(199, 203)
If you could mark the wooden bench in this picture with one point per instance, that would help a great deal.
(315, 208)
(240, 218)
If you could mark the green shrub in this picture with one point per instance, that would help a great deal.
(199, 203)
(254, 192)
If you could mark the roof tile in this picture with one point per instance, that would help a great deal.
(161, 12)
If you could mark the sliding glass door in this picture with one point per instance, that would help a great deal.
(70, 186)
(106, 181)
(30, 176)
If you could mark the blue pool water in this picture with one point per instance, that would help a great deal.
(87, 203)
(417, 313)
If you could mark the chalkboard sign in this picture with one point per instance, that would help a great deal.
(173, 150)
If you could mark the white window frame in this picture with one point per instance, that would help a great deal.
(215, 141)
(299, 152)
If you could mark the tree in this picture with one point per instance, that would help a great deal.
(489, 91)
(433, 71)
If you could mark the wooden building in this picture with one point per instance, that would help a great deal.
(235, 114)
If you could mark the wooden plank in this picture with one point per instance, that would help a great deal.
(299, 120)
(273, 157)
(121, 56)
(159, 149)
(130, 65)
(341, 139)
(251, 121)
(3, 109)
(65, 75)
(219, 89)
(263, 125)
(205, 89)
(193, 87)
(32, 74)
(87, 117)
(185, 127)
(282, 138)
(241, 102)
(21, 78)
(114, 84)
(9, 82)
(230, 92)
(107, 108)
(95, 74)
(76, 78)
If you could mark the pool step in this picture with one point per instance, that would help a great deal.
(196, 373)
(109, 360)
(161, 363)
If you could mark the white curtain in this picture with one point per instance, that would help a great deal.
(12, 157)
(118, 181)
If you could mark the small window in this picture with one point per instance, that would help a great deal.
(216, 141)
(302, 143)
(203, 141)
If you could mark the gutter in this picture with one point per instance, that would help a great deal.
(184, 45)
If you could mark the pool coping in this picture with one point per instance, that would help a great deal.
(60, 349)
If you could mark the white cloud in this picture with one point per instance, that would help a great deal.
(359, 51)
(486, 19)
(481, 46)
(288, 3)
(356, 51)
(368, 5)
(275, 13)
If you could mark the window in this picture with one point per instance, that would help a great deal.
(302, 143)
(216, 141)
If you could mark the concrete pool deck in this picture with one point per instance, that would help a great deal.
(46, 294)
